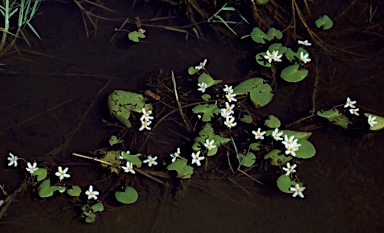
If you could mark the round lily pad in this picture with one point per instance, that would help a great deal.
(129, 195)
(293, 74)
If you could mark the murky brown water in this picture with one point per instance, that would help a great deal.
(51, 107)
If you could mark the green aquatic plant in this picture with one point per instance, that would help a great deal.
(123, 103)
(128, 196)
(24, 11)
(325, 22)
(260, 92)
(135, 36)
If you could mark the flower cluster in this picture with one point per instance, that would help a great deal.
(275, 56)
(351, 105)
(228, 110)
(145, 119)
(291, 145)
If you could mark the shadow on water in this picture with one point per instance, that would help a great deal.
(53, 100)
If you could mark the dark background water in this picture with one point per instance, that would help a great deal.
(53, 98)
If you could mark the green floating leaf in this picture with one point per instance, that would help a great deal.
(306, 149)
(129, 195)
(98, 207)
(261, 60)
(255, 146)
(293, 74)
(207, 79)
(192, 70)
(247, 119)
(114, 140)
(290, 55)
(135, 35)
(206, 97)
(41, 174)
(277, 157)
(45, 189)
(111, 157)
(89, 217)
(277, 46)
(274, 33)
(379, 120)
(284, 183)
(122, 103)
(208, 111)
(183, 170)
(134, 159)
(325, 22)
(248, 160)
(75, 191)
(272, 122)
(258, 35)
(260, 92)
(335, 117)
(261, 95)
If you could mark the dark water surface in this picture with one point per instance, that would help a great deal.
(53, 100)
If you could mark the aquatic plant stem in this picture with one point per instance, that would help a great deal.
(6, 25)
(187, 123)
(91, 158)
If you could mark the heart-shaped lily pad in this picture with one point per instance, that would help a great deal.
(129, 195)
(75, 191)
(41, 174)
(183, 170)
(135, 35)
(293, 74)
(324, 22)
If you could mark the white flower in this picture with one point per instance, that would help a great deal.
(141, 30)
(202, 65)
(128, 168)
(350, 103)
(229, 122)
(144, 125)
(229, 108)
(297, 191)
(62, 173)
(122, 154)
(12, 159)
(231, 97)
(291, 149)
(259, 134)
(289, 141)
(276, 56)
(269, 56)
(210, 144)
(304, 58)
(151, 161)
(175, 155)
(276, 135)
(225, 113)
(354, 111)
(371, 120)
(290, 169)
(91, 193)
(202, 87)
(146, 115)
(32, 168)
(228, 89)
(196, 159)
(304, 42)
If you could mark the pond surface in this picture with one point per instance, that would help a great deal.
(54, 98)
